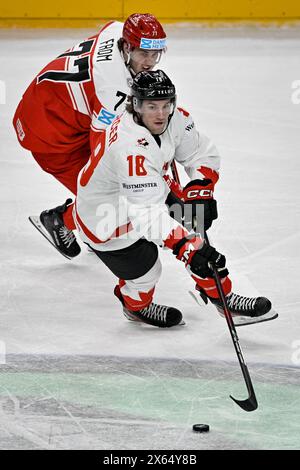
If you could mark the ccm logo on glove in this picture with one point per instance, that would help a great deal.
(202, 193)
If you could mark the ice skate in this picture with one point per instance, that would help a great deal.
(155, 314)
(244, 310)
(51, 225)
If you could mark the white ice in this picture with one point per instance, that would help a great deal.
(238, 86)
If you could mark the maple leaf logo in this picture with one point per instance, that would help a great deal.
(142, 142)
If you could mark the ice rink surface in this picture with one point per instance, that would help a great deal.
(75, 374)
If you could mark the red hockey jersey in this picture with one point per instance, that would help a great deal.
(80, 91)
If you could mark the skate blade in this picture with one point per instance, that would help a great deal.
(240, 320)
(197, 299)
(138, 320)
(36, 222)
(244, 321)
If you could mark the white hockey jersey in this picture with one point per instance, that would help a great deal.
(121, 191)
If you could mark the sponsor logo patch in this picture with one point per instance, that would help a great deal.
(106, 117)
(151, 44)
(190, 127)
(139, 187)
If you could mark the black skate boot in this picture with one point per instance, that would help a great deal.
(245, 306)
(51, 225)
(156, 315)
(244, 310)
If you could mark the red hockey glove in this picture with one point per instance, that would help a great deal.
(201, 191)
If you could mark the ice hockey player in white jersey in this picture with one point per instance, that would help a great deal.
(76, 96)
(121, 208)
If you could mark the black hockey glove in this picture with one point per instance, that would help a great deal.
(198, 259)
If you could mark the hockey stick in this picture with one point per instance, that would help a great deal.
(250, 404)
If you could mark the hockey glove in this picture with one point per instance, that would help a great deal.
(199, 192)
(197, 255)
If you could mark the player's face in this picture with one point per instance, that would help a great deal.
(141, 60)
(155, 114)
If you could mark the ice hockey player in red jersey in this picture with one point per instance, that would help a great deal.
(73, 99)
(121, 207)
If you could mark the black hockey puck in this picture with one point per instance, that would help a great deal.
(200, 427)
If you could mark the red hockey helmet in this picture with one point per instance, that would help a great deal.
(144, 31)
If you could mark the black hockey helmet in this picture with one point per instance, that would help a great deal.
(153, 85)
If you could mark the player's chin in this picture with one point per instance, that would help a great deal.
(159, 128)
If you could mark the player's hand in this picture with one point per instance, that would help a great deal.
(198, 256)
(199, 192)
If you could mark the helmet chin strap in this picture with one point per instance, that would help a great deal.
(127, 62)
(138, 118)
(169, 119)
(132, 72)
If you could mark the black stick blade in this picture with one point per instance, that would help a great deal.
(247, 405)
